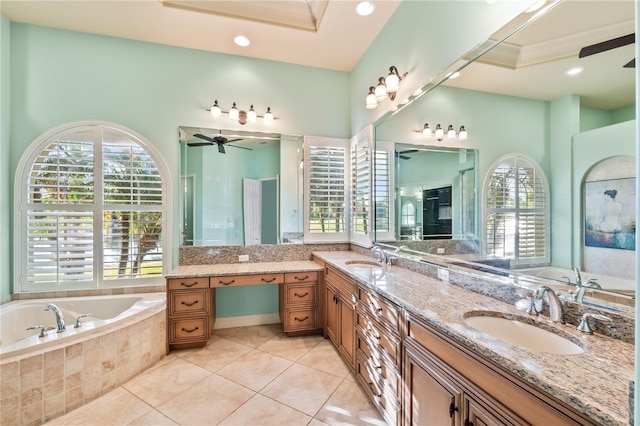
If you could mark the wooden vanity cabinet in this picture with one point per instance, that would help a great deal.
(190, 311)
(340, 307)
(299, 302)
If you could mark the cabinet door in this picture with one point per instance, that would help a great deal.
(347, 326)
(331, 315)
(479, 413)
(430, 398)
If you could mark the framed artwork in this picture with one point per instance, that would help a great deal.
(610, 214)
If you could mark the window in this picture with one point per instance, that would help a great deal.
(384, 183)
(517, 211)
(361, 230)
(327, 179)
(92, 211)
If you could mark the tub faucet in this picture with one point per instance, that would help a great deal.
(578, 276)
(556, 310)
(59, 316)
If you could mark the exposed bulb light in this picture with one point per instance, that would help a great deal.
(365, 8)
(426, 130)
(251, 115)
(386, 88)
(393, 81)
(268, 116)
(372, 102)
(574, 71)
(241, 41)
(462, 134)
(439, 132)
(233, 112)
(216, 112)
(381, 90)
(451, 133)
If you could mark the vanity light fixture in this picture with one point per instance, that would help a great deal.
(372, 102)
(381, 90)
(426, 130)
(241, 115)
(439, 132)
(451, 133)
(387, 88)
(462, 134)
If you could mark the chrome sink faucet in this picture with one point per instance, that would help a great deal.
(59, 316)
(380, 255)
(556, 310)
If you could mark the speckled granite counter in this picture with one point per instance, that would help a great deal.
(226, 269)
(595, 382)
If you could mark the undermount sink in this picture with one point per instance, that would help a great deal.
(521, 334)
(363, 264)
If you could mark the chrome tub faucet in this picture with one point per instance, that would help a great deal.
(59, 317)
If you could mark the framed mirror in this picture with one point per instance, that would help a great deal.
(232, 192)
(514, 96)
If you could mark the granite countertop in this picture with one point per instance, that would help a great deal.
(595, 382)
(250, 268)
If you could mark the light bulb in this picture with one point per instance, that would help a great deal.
(392, 82)
(451, 133)
(462, 134)
(439, 132)
(268, 116)
(233, 112)
(251, 115)
(371, 98)
(216, 112)
(426, 131)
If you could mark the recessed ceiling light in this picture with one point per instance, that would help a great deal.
(241, 41)
(453, 75)
(365, 8)
(574, 71)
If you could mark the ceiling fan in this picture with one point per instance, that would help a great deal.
(220, 140)
(608, 45)
(401, 155)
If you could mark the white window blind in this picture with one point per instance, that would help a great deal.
(516, 226)
(360, 187)
(383, 191)
(94, 212)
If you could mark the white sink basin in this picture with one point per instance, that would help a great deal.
(363, 264)
(528, 336)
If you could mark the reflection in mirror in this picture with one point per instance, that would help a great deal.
(232, 193)
(517, 98)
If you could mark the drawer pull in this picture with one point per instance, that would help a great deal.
(190, 331)
(373, 334)
(376, 309)
(188, 285)
(189, 304)
(227, 283)
(301, 278)
(301, 295)
(379, 367)
(268, 281)
(377, 395)
(301, 320)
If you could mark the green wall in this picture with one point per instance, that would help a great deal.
(6, 180)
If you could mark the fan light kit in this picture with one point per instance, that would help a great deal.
(387, 87)
(439, 132)
(241, 115)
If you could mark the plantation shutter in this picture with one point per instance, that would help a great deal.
(383, 191)
(361, 231)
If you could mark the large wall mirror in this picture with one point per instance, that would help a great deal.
(232, 192)
(513, 95)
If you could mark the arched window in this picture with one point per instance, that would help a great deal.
(517, 211)
(92, 200)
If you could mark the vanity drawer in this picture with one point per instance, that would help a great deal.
(379, 308)
(299, 294)
(236, 280)
(380, 366)
(303, 319)
(189, 302)
(384, 400)
(189, 330)
(340, 282)
(187, 283)
(377, 338)
(300, 277)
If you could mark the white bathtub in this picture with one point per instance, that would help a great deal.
(607, 283)
(17, 316)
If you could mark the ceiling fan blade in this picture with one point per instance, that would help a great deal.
(191, 144)
(241, 147)
(204, 137)
(607, 45)
(221, 148)
(630, 64)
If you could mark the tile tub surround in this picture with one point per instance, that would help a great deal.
(46, 384)
(93, 292)
(595, 382)
(203, 255)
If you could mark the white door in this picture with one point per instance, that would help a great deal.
(252, 190)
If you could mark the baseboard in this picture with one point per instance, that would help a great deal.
(247, 320)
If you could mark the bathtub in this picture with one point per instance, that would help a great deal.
(620, 285)
(52, 375)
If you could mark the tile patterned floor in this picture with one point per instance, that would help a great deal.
(243, 376)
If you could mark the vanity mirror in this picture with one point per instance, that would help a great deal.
(232, 193)
(514, 96)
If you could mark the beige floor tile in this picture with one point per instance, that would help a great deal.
(206, 403)
(161, 384)
(325, 357)
(302, 388)
(153, 418)
(255, 370)
(253, 336)
(261, 410)
(218, 353)
(316, 422)
(350, 405)
(291, 348)
(118, 407)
